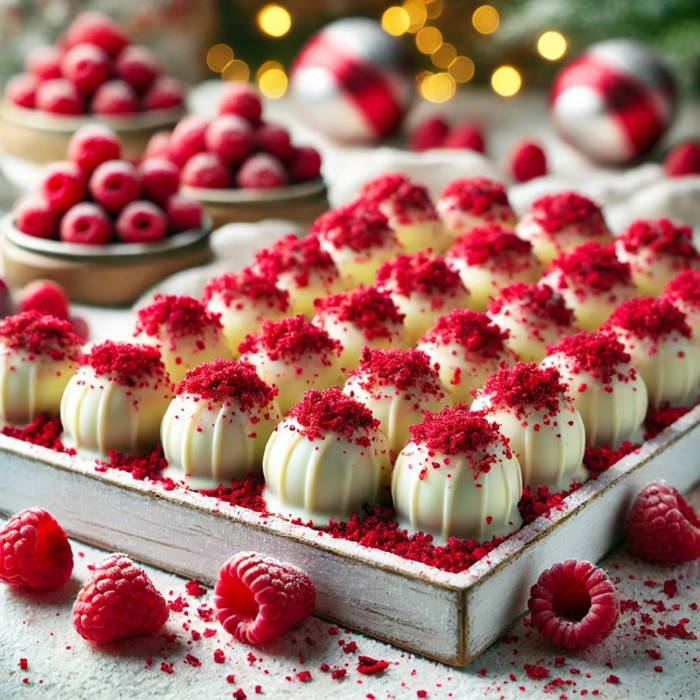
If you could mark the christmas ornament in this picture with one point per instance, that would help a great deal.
(352, 80)
(614, 101)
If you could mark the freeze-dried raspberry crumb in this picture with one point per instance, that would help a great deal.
(250, 285)
(219, 656)
(598, 459)
(556, 212)
(239, 694)
(646, 317)
(230, 678)
(659, 669)
(482, 672)
(369, 666)
(406, 201)
(192, 660)
(304, 676)
(422, 693)
(660, 418)
(612, 678)
(126, 363)
(350, 647)
(40, 334)
(536, 672)
(245, 492)
(536, 502)
(679, 630)
(338, 673)
(419, 273)
(685, 286)
(670, 588)
(140, 466)
(538, 299)
(492, 246)
(172, 317)
(653, 653)
(476, 195)
(42, 431)
(167, 668)
(195, 588)
(474, 331)
(23, 664)
(600, 354)
(660, 236)
(359, 226)
(258, 689)
(591, 266)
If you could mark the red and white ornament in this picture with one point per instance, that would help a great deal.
(352, 81)
(614, 101)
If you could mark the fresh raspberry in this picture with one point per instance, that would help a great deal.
(63, 185)
(188, 138)
(115, 97)
(34, 551)
(139, 67)
(183, 214)
(45, 62)
(141, 222)
(684, 159)
(206, 170)
(21, 90)
(95, 28)
(117, 601)
(259, 598)
(274, 139)
(231, 137)
(166, 92)
(305, 164)
(160, 178)
(86, 223)
(35, 217)
(87, 66)
(59, 96)
(527, 161)
(44, 296)
(114, 184)
(466, 135)
(158, 145)
(92, 145)
(262, 171)
(430, 133)
(573, 604)
(243, 99)
(662, 527)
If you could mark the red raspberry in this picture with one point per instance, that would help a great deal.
(259, 598)
(95, 28)
(139, 67)
(262, 171)
(44, 296)
(86, 66)
(183, 214)
(188, 138)
(466, 135)
(86, 223)
(158, 145)
(160, 178)
(527, 161)
(114, 184)
(142, 222)
(45, 62)
(92, 145)
(243, 99)
(573, 604)
(206, 170)
(305, 165)
(684, 159)
(59, 96)
(230, 137)
(274, 139)
(35, 217)
(34, 551)
(429, 133)
(662, 527)
(63, 185)
(21, 90)
(166, 92)
(118, 601)
(115, 97)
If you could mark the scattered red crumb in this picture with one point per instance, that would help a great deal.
(140, 466)
(338, 673)
(538, 299)
(472, 330)
(600, 354)
(195, 588)
(39, 334)
(660, 236)
(42, 431)
(678, 630)
(167, 668)
(685, 286)
(245, 492)
(659, 669)
(526, 385)
(476, 195)
(369, 666)
(258, 689)
(350, 647)
(492, 246)
(559, 660)
(171, 317)
(539, 501)
(421, 273)
(304, 676)
(125, 363)
(239, 694)
(647, 317)
(23, 664)
(653, 653)
(555, 212)
(482, 672)
(408, 201)
(536, 672)
(659, 419)
(230, 678)
(422, 693)
(219, 656)
(670, 587)
(250, 285)
(598, 459)
(592, 266)
(612, 678)
(358, 226)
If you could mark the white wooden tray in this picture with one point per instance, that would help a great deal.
(448, 617)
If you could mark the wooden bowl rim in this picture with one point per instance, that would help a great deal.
(249, 195)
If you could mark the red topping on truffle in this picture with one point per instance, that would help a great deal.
(660, 236)
(539, 299)
(408, 200)
(419, 273)
(39, 334)
(526, 385)
(592, 266)
(247, 284)
(600, 354)
(647, 317)
(125, 363)
(359, 226)
(685, 286)
(472, 330)
(494, 247)
(227, 381)
(476, 195)
(174, 317)
(554, 212)
(331, 411)
(367, 308)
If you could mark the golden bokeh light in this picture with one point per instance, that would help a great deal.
(461, 69)
(417, 14)
(444, 55)
(396, 20)
(274, 20)
(486, 19)
(268, 65)
(428, 39)
(433, 8)
(218, 56)
(506, 81)
(236, 70)
(552, 45)
(438, 87)
(273, 83)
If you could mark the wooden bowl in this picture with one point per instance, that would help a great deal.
(115, 274)
(42, 138)
(303, 203)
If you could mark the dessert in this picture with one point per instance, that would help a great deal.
(558, 223)
(38, 355)
(488, 258)
(423, 288)
(534, 315)
(533, 410)
(470, 202)
(364, 316)
(593, 282)
(466, 346)
(683, 291)
(410, 211)
(397, 386)
(358, 238)
(655, 334)
(293, 355)
(457, 477)
(216, 426)
(244, 300)
(604, 385)
(184, 331)
(325, 459)
(656, 251)
(299, 266)
(116, 399)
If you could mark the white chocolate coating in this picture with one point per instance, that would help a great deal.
(457, 221)
(420, 236)
(692, 315)
(361, 267)
(301, 298)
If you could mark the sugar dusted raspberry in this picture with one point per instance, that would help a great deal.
(92, 145)
(34, 551)
(401, 199)
(476, 195)
(138, 66)
(126, 363)
(647, 317)
(419, 273)
(305, 164)
(573, 604)
(231, 137)
(275, 140)
(115, 97)
(114, 184)
(44, 296)
(686, 287)
(259, 598)
(158, 145)
(494, 247)
(206, 170)
(62, 185)
(600, 354)
(299, 256)
(160, 178)
(429, 133)
(188, 138)
(86, 223)
(45, 62)
(35, 217)
(406, 370)
(183, 214)
(95, 28)
(660, 236)
(243, 99)
(87, 66)
(474, 331)
(466, 135)
(166, 92)
(527, 161)
(40, 334)
(247, 284)
(540, 300)
(359, 226)
(592, 266)
(172, 316)
(118, 601)
(555, 212)
(262, 171)
(21, 90)
(684, 159)
(141, 222)
(59, 96)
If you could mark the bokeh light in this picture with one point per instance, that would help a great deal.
(437, 87)
(506, 81)
(551, 45)
(486, 19)
(428, 39)
(236, 70)
(218, 56)
(274, 20)
(396, 20)
(444, 55)
(433, 8)
(417, 14)
(272, 80)
(461, 69)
